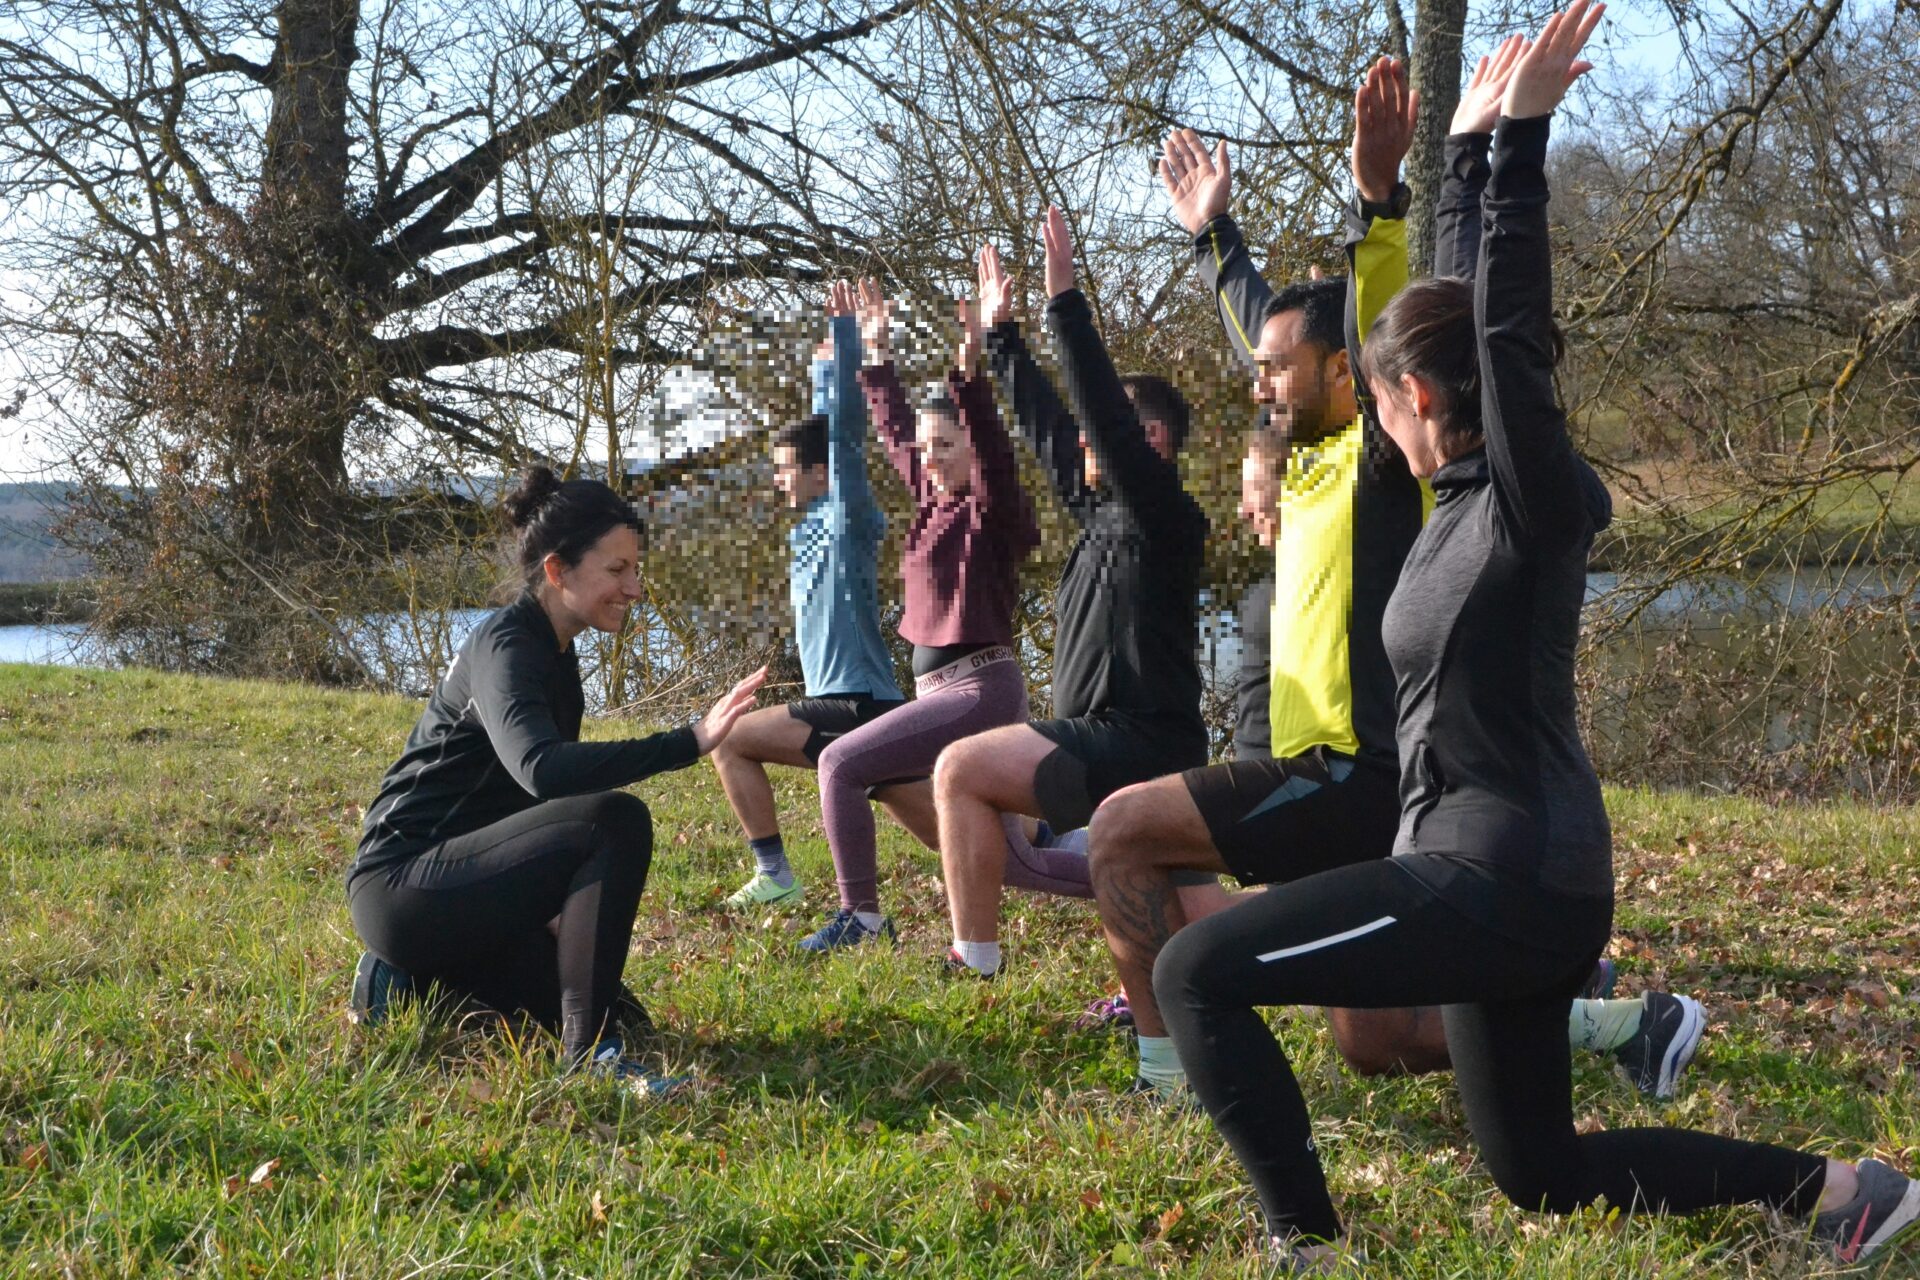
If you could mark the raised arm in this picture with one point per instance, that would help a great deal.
(1199, 187)
(1038, 410)
(846, 407)
(508, 682)
(880, 382)
(1383, 121)
(1148, 483)
(1456, 214)
(1536, 477)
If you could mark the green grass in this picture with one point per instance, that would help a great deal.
(174, 961)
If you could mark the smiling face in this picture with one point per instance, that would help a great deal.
(599, 590)
(945, 451)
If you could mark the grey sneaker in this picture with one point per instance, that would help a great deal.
(1887, 1204)
(1670, 1030)
(1290, 1259)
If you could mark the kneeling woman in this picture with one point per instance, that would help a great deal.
(498, 859)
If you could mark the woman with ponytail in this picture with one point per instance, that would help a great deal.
(499, 859)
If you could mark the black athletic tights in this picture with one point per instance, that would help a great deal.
(1374, 936)
(476, 912)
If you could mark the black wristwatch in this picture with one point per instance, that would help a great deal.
(1395, 206)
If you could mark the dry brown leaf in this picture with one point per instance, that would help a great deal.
(480, 1091)
(1171, 1218)
(263, 1172)
(34, 1158)
(599, 1208)
(234, 1185)
(1090, 1198)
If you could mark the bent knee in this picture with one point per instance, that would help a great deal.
(955, 768)
(1188, 970)
(1130, 825)
(620, 817)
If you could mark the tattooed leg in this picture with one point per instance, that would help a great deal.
(1139, 837)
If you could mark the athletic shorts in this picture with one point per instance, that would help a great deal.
(1278, 820)
(1101, 753)
(832, 717)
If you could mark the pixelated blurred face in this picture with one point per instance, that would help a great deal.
(1259, 488)
(1089, 465)
(945, 452)
(1292, 378)
(603, 586)
(797, 484)
(1159, 437)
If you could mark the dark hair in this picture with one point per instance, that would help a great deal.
(1323, 304)
(1154, 397)
(1429, 330)
(807, 437)
(551, 516)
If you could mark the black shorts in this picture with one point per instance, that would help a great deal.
(835, 716)
(1103, 752)
(1278, 820)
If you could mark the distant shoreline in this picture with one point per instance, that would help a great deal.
(28, 604)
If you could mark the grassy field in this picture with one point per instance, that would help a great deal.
(180, 1092)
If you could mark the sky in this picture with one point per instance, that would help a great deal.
(1643, 48)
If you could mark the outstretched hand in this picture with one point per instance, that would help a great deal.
(875, 312)
(1479, 108)
(996, 289)
(712, 728)
(1059, 245)
(1551, 63)
(1383, 114)
(1200, 186)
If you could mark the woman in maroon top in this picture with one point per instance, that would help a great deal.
(972, 527)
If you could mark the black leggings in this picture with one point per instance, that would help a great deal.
(475, 913)
(1373, 936)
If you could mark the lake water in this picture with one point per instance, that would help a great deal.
(1707, 603)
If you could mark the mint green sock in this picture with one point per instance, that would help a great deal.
(1602, 1025)
(1160, 1065)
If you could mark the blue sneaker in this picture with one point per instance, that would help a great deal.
(609, 1062)
(845, 930)
(376, 986)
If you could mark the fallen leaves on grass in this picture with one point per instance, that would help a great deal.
(262, 1176)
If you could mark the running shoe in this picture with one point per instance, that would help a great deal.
(609, 1062)
(1107, 1011)
(376, 986)
(845, 930)
(1887, 1203)
(1292, 1259)
(954, 967)
(1600, 981)
(1670, 1030)
(1145, 1090)
(630, 1016)
(764, 891)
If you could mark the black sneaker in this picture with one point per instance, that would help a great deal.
(1887, 1203)
(1670, 1030)
(630, 1017)
(377, 985)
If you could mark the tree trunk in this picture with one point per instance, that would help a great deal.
(1439, 30)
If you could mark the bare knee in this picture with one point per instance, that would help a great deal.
(953, 771)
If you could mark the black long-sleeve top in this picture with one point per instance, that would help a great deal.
(1483, 627)
(1126, 616)
(499, 735)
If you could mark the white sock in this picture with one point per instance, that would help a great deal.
(1160, 1064)
(981, 957)
(869, 920)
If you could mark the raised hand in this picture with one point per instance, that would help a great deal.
(840, 299)
(968, 353)
(996, 289)
(1199, 186)
(1551, 63)
(1059, 245)
(712, 728)
(1479, 108)
(875, 313)
(1383, 115)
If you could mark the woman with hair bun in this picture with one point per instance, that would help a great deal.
(499, 859)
